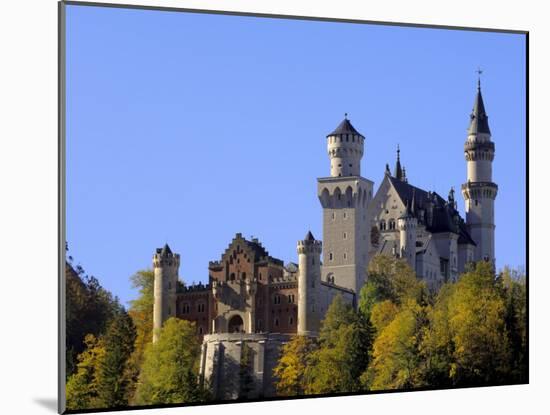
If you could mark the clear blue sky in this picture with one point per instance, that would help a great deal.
(187, 128)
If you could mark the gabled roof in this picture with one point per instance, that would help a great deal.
(445, 217)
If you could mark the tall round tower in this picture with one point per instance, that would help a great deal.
(345, 150)
(407, 224)
(309, 281)
(165, 266)
(479, 191)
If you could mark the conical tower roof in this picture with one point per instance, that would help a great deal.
(309, 236)
(166, 251)
(479, 122)
(345, 127)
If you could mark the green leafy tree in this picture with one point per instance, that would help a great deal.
(390, 279)
(169, 372)
(291, 368)
(343, 353)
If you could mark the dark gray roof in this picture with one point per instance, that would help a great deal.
(345, 127)
(309, 236)
(479, 121)
(445, 217)
(165, 251)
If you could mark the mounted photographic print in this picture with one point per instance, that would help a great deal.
(271, 207)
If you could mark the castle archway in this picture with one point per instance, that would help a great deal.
(236, 324)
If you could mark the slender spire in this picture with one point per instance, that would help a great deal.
(398, 171)
(479, 122)
(388, 172)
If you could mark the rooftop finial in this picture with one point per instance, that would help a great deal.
(398, 171)
(346, 115)
(479, 72)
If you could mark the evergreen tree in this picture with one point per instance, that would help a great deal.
(113, 375)
(343, 353)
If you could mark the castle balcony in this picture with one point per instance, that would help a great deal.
(486, 146)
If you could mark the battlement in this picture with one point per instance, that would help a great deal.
(200, 287)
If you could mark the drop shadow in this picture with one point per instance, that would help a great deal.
(48, 403)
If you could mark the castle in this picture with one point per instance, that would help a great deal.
(253, 302)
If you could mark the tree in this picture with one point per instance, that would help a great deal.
(513, 289)
(290, 371)
(141, 312)
(343, 353)
(467, 343)
(393, 300)
(169, 373)
(396, 361)
(82, 386)
(113, 374)
(89, 309)
(390, 279)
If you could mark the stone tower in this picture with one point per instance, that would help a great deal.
(479, 191)
(344, 197)
(309, 281)
(407, 224)
(165, 266)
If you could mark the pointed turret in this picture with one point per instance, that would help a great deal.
(309, 236)
(166, 251)
(479, 191)
(398, 174)
(479, 122)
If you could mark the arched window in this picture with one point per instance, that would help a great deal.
(243, 275)
(232, 276)
(392, 224)
(382, 225)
